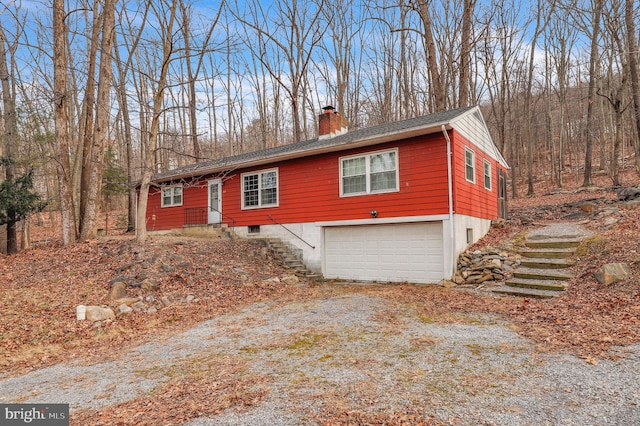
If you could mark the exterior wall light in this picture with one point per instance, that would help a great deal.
(374, 213)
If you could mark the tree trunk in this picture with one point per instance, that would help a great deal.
(89, 106)
(465, 52)
(632, 53)
(63, 166)
(94, 190)
(437, 91)
(593, 71)
(158, 97)
(10, 136)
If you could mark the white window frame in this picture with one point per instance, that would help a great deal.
(487, 168)
(259, 173)
(173, 202)
(367, 156)
(467, 165)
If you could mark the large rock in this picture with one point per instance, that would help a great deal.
(96, 313)
(290, 280)
(149, 284)
(630, 193)
(613, 272)
(118, 291)
(123, 309)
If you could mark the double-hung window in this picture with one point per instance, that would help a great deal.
(487, 175)
(172, 196)
(260, 189)
(470, 165)
(369, 173)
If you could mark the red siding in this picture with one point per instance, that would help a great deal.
(194, 195)
(309, 190)
(473, 199)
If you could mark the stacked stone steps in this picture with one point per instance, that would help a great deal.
(288, 259)
(546, 263)
(548, 253)
(541, 273)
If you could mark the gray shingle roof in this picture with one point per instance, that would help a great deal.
(354, 138)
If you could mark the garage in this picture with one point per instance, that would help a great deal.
(410, 252)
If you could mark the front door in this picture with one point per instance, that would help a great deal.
(215, 201)
(502, 194)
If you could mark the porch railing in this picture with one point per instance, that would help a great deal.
(196, 216)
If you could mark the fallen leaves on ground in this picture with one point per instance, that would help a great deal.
(208, 392)
(42, 286)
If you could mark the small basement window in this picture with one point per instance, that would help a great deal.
(254, 229)
(469, 235)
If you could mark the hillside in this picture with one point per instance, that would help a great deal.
(196, 279)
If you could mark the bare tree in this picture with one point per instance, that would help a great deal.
(88, 227)
(292, 33)
(594, 61)
(438, 90)
(193, 74)
(465, 52)
(69, 233)
(632, 57)
(167, 19)
(10, 135)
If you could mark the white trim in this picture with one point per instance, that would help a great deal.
(367, 156)
(451, 266)
(486, 163)
(210, 183)
(405, 219)
(172, 204)
(260, 173)
(473, 159)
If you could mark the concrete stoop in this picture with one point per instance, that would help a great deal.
(208, 231)
(542, 271)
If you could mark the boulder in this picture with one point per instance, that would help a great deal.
(631, 205)
(149, 284)
(125, 301)
(96, 313)
(118, 291)
(123, 310)
(630, 193)
(587, 207)
(290, 280)
(138, 306)
(613, 272)
(119, 278)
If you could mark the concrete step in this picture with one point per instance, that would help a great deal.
(525, 292)
(541, 274)
(542, 263)
(554, 243)
(551, 285)
(549, 253)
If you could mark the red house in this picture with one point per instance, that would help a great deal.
(395, 202)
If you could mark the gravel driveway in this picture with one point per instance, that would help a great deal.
(360, 353)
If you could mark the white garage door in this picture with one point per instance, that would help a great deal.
(398, 252)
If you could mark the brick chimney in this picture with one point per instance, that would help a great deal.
(331, 123)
